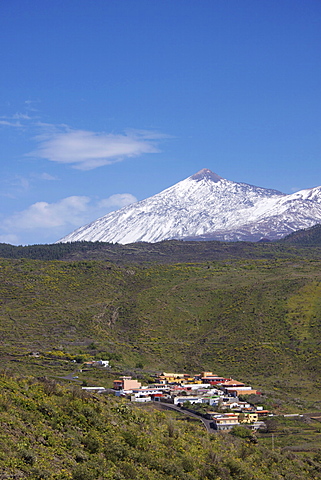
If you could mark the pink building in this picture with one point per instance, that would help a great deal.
(126, 383)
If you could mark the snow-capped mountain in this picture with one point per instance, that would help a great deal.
(207, 207)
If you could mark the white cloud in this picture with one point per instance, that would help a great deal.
(19, 185)
(21, 182)
(15, 120)
(22, 116)
(30, 105)
(82, 149)
(43, 176)
(12, 239)
(54, 220)
(118, 200)
(86, 150)
(47, 215)
(8, 123)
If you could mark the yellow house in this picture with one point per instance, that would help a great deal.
(207, 374)
(171, 377)
(248, 417)
(188, 379)
(225, 421)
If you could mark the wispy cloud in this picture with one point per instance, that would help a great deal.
(20, 182)
(53, 220)
(86, 150)
(10, 123)
(17, 120)
(43, 176)
(118, 200)
(81, 149)
(30, 105)
(22, 116)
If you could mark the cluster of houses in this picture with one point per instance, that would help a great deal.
(219, 393)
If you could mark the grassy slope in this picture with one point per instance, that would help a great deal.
(255, 320)
(258, 320)
(49, 432)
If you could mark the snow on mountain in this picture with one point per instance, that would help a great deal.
(206, 207)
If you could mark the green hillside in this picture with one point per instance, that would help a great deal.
(258, 320)
(53, 433)
(306, 237)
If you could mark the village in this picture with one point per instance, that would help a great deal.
(219, 394)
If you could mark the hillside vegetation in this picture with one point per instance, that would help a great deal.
(166, 252)
(248, 311)
(258, 320)
(50, 432)
(306, 237)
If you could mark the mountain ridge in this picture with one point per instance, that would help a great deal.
(206, 206)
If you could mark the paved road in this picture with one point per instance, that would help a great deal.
(182, 411)
(71, 376)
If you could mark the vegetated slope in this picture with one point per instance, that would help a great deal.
(206, 206)
(58, 434)
(259, 320)
(167, 252)
(306, 237)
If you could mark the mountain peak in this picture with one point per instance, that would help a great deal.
(205, 206)
(207, 174)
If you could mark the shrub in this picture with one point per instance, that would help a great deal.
(91, 443)
(83, 472)
(28, 456)
(241, 432)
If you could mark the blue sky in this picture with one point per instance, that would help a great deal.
(106, 102)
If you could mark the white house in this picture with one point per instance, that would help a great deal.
(182, 399)
(102, 363)
(94, 389)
